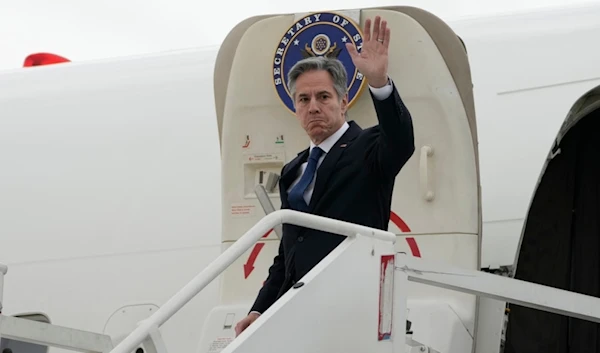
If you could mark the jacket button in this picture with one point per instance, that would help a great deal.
(301, 239)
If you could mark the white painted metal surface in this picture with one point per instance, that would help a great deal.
(489, 328)
(356, 265)
(510, 290)
(331, 325)
(333, 308)
(231, 254)
(31, 331)
(413, 346)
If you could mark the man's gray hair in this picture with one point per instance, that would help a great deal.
(335, 68)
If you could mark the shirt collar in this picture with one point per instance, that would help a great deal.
(328, 143)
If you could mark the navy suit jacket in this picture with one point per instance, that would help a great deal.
(354, 183)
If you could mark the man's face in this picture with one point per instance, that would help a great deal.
(320, 111)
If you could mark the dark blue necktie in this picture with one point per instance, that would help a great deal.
(296, 195)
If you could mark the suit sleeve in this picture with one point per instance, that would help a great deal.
(269, 291)
(395, 143)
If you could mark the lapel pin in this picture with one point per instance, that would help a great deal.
(343, 145)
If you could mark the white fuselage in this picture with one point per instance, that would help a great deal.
(111, 176)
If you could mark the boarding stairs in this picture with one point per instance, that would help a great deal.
(361, 312)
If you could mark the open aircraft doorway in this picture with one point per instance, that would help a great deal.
(436, 210)
(560, 242)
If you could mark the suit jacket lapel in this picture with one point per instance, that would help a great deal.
(290, 173)
(328, 165)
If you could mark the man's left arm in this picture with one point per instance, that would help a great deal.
(396, 143)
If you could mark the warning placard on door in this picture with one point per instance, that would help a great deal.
(219, 344)
(242, 210)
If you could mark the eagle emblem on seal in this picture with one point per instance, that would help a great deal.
(321, 46)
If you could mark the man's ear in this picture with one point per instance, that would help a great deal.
(344, 104)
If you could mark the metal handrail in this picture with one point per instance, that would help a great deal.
(237, 249)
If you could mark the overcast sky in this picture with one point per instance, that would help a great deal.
(83, 30)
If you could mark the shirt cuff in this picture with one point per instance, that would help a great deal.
(255, 312)
(382, 93)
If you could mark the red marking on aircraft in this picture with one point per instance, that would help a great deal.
(39, 59)
(412, 243)
(249, 265)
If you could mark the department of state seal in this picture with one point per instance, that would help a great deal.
(318, 34)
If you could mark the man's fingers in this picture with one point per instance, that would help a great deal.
(386, 39)
(382, 30)
(352, 51)
(367, 33)
(376, 25)
(239, 328)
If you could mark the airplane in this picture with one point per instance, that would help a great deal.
(121, 178)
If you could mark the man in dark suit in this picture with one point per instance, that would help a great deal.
(347, 173)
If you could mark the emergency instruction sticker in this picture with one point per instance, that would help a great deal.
(242, 210)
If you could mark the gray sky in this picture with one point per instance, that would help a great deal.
(83, 30)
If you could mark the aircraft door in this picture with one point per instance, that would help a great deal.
(436, 202)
